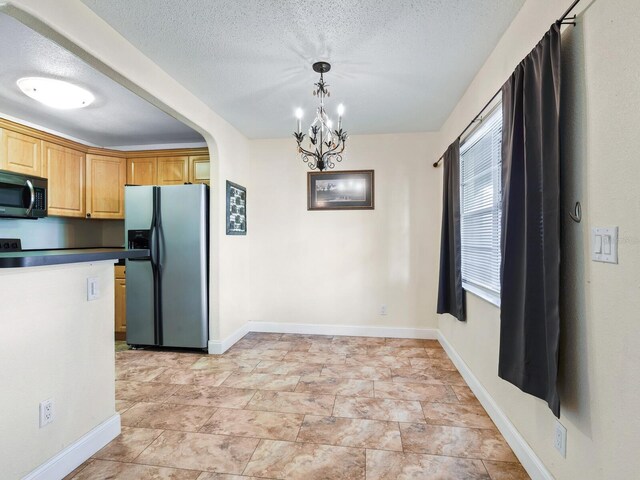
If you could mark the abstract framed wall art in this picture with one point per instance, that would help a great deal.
(236, 209)
(344, 190)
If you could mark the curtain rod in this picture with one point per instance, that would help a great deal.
(562, 20)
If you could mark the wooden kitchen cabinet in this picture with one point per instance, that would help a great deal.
(20, 153)
(121, 303)
(65, 169)
(173, 170)
(106, 176)
(142, 171)
(199, 169)
(89, 181)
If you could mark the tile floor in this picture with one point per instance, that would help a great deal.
(283, 406)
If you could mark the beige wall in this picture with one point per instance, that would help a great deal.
(54, 344)
(339, 267)
(77, 28)
(233, 258)
(600, 390)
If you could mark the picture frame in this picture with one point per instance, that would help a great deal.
(342, 190)
(236, 209)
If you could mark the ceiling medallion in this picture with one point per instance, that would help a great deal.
(325, 144)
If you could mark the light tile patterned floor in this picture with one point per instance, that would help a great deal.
(284, 406)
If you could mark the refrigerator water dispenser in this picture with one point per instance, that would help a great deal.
(139, 239)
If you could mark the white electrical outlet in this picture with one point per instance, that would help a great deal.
(560, 439)
(383, 309)
(46, 412)
(93, 288)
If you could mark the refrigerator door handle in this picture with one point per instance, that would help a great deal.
(153, 241)
(152, 229)
(156, 266)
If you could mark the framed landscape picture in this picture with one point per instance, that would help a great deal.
(345, 190)
(236, 209)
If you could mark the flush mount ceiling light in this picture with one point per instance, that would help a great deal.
(325, 144)
(55, 93)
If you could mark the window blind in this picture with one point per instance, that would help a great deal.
(480, 209)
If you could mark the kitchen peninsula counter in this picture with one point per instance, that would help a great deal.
(41, 258)
(57, 344)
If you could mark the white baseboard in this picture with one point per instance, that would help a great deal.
(71, 457)
(352, 330)
(529, 460)
(218, 347)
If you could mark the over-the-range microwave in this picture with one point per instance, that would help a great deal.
(22, 196)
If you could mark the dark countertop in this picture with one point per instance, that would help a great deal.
(39, 258)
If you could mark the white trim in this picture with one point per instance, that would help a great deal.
(158, 146)
(529, 460)
(485, 295)
(353, 330)
(71, 457)
(218, 347)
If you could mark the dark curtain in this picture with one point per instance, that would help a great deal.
(530, 321)
(450, 294)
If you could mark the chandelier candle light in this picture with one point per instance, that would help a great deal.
(325, 144)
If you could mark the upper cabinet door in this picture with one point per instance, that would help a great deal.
(142, 171)
(199, 169)
(20, 153)
(106, 177)
(173, 170)
(65, 169)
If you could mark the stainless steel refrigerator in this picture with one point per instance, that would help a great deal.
(168, 292)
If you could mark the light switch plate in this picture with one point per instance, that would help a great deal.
(93, 288)
(604, 244)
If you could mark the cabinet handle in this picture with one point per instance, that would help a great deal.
(88, 215)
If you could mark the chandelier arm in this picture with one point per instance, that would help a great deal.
(307, 152)
(332, 151)
(315, 156)
(313, 163)
(334, 156)
(337, 156)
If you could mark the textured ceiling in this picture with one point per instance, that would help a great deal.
(117, 117)
(398, 65)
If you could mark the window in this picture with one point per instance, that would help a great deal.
(480, 210)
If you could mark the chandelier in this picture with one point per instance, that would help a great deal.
(325, 144)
